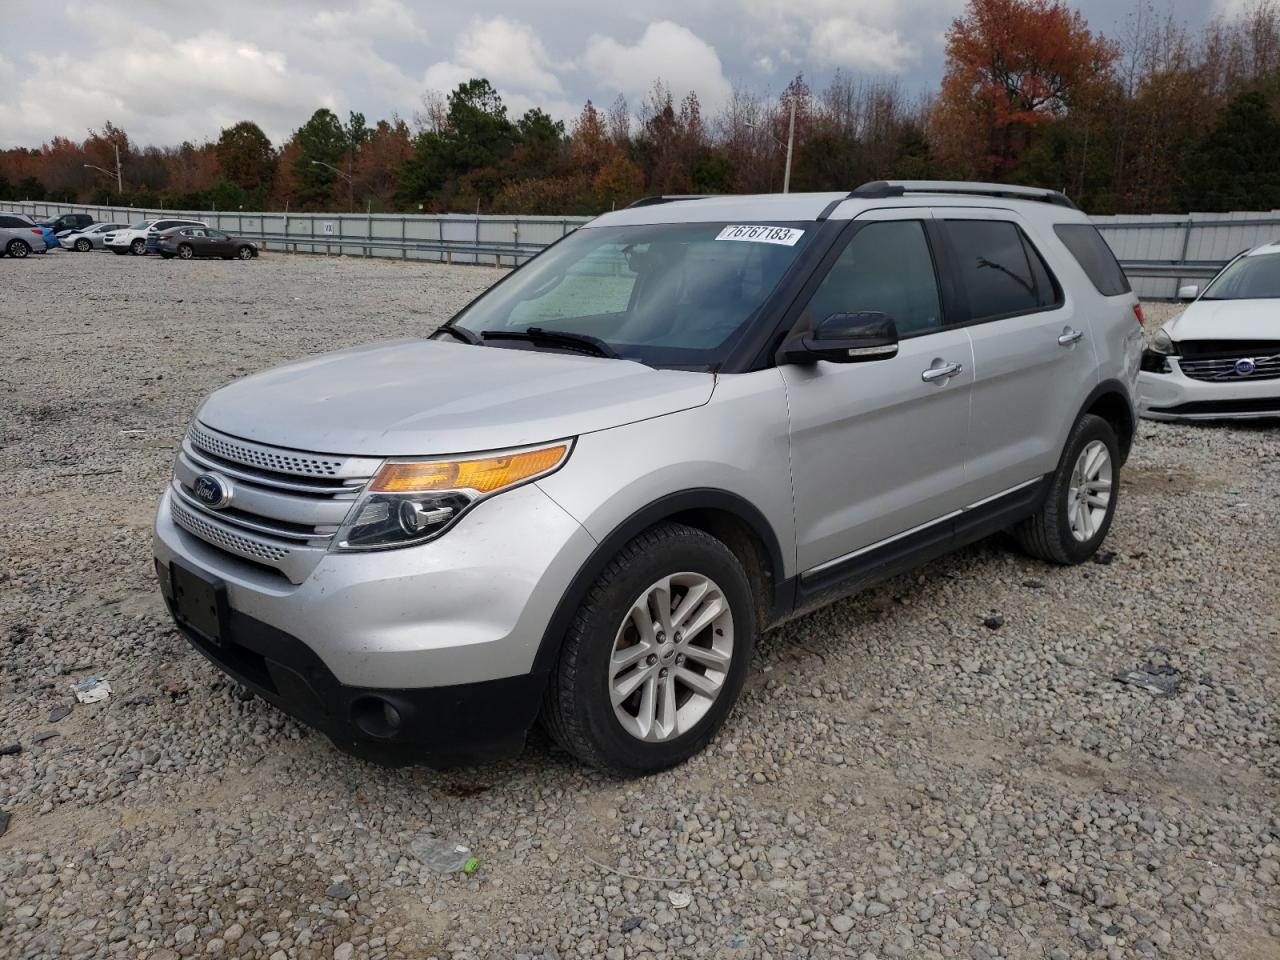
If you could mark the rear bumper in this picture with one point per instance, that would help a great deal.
(1175, 396)
(439, 726)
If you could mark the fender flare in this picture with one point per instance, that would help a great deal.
(673, 504)
(1115, 388)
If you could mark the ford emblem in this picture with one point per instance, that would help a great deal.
(212, 490)
(1245, 366)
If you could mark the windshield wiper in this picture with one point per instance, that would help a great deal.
(576, 341)
(462, 333)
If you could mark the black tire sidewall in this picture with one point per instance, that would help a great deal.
(1091, 428)
(598, 624)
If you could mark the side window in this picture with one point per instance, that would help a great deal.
(1003, 274)
(11, 222)
(886, 268)
(1094, 256)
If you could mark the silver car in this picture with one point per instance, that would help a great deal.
(583, 498)
(20, 236)
(90, 238)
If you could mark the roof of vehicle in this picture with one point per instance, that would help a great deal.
(845, 205)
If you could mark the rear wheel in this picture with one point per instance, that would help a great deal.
(18, 249)
(185, 251)
(656, 655)
(83, 245)
(1077, 512)
(138, 247)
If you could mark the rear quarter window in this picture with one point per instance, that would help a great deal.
(1094, 257)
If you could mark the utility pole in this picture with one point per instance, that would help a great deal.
(119, 177)
(791, 139)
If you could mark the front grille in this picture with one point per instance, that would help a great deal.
(1221, 364)
(286, 505)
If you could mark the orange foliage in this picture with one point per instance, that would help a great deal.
(1013, 65)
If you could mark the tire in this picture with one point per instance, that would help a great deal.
(83, 246)
(18, 249)
(185, 251)
(1057, 532)
(138, 248)
(578, 710)
(245, 253)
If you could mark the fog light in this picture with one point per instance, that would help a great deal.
(376, 717)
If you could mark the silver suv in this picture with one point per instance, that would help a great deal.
(584, 496)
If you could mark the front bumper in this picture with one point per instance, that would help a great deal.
(446, 632)
(1175, 396)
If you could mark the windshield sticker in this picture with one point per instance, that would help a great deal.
(785, 236)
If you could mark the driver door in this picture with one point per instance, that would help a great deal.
(878, 447)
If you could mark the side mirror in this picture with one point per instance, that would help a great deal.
(1189, 292)
(845, 338)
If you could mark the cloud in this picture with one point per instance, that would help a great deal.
(851, 44)
(666, 51)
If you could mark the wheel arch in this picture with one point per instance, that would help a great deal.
(726, 516)
(1112, 401)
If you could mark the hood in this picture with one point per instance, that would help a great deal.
(1227, 320)
(431, 397)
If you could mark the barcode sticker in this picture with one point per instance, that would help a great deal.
(785, 236)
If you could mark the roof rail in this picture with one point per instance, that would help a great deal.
(673, 198)
(879, 189)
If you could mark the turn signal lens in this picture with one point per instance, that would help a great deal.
(1137, 312)
(484, 475)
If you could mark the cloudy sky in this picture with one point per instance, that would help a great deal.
(168, 72)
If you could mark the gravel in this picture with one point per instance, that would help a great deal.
(901, 779)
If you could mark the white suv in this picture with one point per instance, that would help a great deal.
(139, 238)
(584, 496)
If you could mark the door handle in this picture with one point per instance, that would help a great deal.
(944, 371)
(1070, 336)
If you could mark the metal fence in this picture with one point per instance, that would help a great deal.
(448, 238)
(1158, 252)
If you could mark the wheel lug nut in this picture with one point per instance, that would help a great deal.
(679, 659)
(653, 658)
(679, 636)
(662, 672)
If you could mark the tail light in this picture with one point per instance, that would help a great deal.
(166, 237)
(1137, 312)
(37, 231)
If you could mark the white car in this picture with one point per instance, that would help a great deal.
(1219, 358)
(134, 239)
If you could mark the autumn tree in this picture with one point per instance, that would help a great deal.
(246, 157)
(1013, 66)
(378, 163)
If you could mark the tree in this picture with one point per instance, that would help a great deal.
(1013, 65)
(1233, 167)
(378, 165)
(246, 157)
(322, 140)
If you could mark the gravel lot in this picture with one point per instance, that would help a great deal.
(942, 767)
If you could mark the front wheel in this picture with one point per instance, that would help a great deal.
(84, 246)
(1077, 512)
(18, 249)
(656, 655)
(245, 253)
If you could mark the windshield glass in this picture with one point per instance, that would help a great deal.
(669, 295)
(1249, 278)
(143, 225)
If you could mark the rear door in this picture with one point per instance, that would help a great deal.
(876, 448)
(1033, 362)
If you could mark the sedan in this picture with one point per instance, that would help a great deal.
(1220, 358)
(190, 242)
(89, 238)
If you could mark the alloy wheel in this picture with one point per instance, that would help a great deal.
(671, 657)
(1089, 493)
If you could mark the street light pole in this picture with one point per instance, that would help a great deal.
(791, 139)
(351, 185)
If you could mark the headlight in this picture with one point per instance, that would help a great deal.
(1162, 343)
(412, 501)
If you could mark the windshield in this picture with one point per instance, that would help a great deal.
(669, 295)
(1249, 278)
